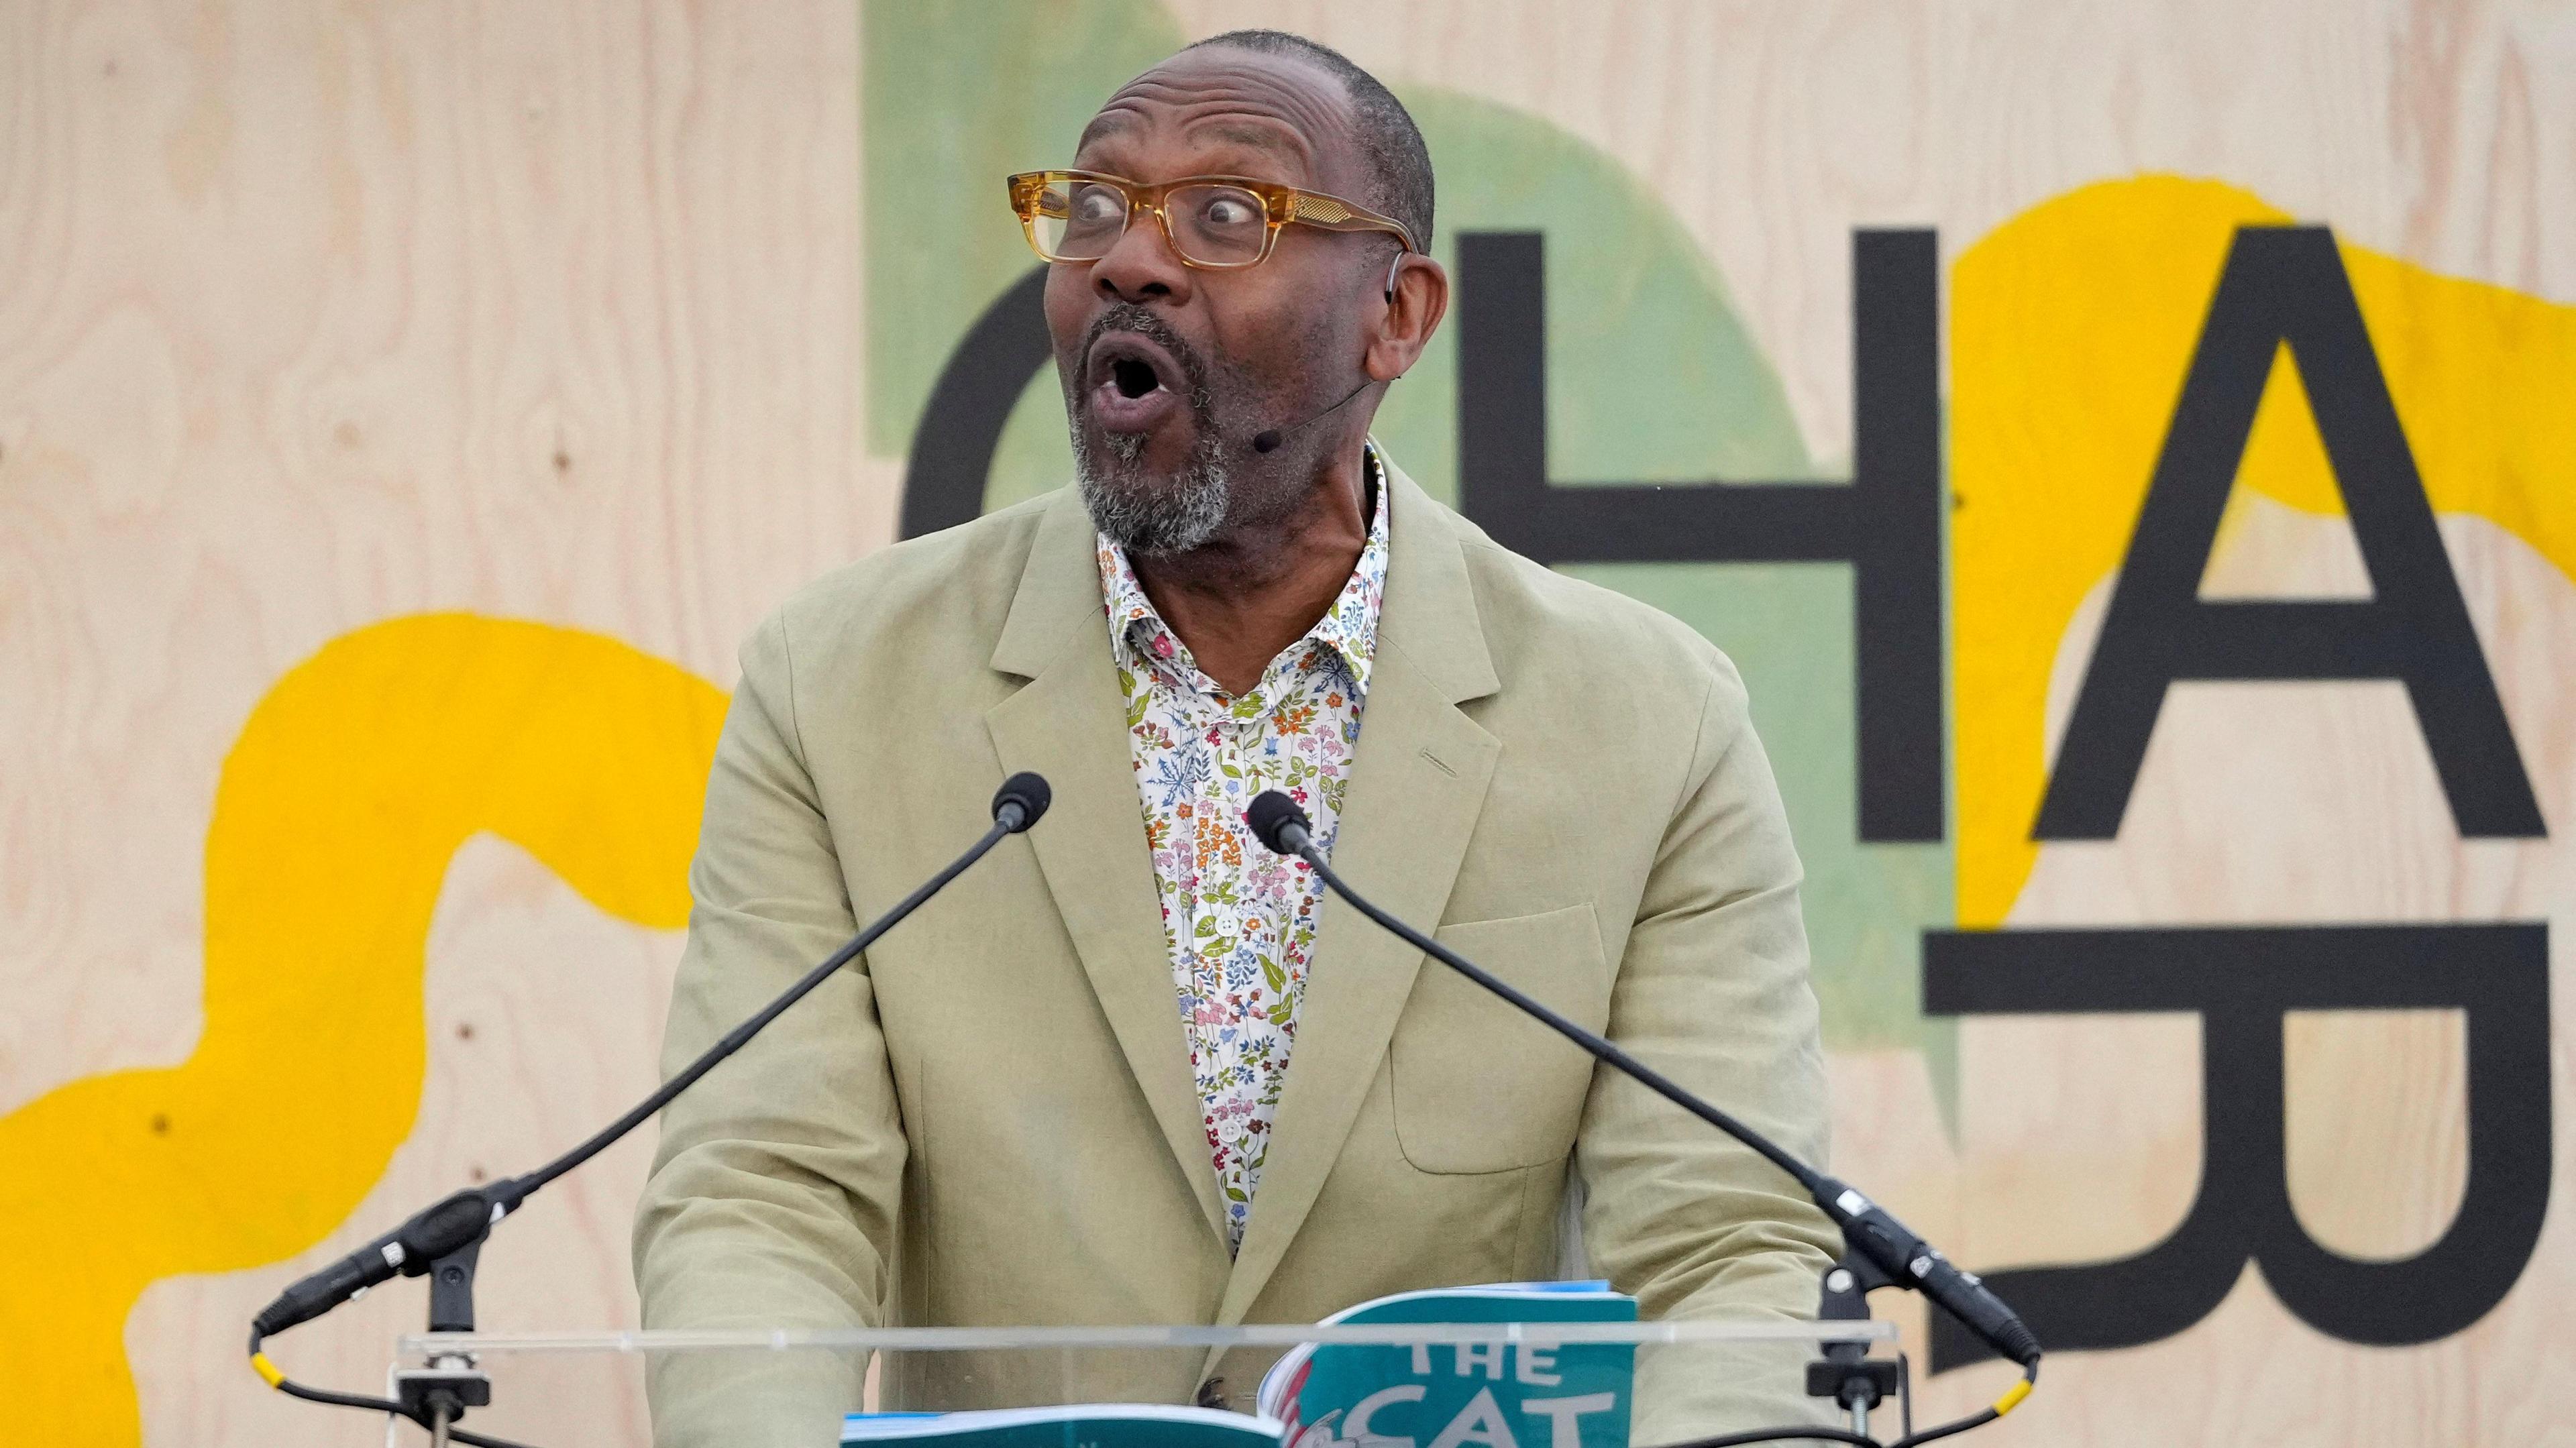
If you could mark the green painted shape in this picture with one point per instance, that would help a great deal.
(958, 94)
(1035, 454)
(1652, 378)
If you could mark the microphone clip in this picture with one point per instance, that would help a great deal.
(1843, 1373)
(450, 1383)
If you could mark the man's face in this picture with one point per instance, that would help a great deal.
(1169, 370)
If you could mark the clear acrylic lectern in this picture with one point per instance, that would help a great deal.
(1543, 1382)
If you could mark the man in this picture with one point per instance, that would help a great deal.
(1133, 1070)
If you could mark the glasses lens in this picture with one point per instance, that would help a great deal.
(1078, 220)
(1218, 225)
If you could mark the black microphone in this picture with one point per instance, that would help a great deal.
(1269, 440)
(1892, 1247)
(466, 1218)
(452, 1224)
(1021, 800)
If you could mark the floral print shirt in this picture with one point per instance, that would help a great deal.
(1240, 920)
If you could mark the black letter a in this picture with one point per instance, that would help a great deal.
(2286, 284)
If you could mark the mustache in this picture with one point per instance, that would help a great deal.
(1129, 317)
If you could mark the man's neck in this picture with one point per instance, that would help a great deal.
(1239, 600)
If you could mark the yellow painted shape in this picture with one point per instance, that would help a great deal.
(2071, 328)
(352, 784)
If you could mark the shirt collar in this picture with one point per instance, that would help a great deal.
(1138, 637)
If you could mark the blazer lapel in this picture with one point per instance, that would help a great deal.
(1417, 784)
(1069, 724)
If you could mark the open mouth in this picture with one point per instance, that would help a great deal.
(1133, 376)
(1135, 384)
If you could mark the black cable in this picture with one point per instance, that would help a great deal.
(1817, 1434)
(1978, 1419)
(293, 1389)
(735, 1039)
(462, 1220)
(519, 1190)
(1644, 1075)
(1635, 1069)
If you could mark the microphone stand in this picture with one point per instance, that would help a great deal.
(1878, 1250)
(443, 1241)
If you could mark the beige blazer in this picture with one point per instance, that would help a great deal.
(991, 1119)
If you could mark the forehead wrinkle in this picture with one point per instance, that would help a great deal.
(1227, 125)
(1228, 144)
(1234, 127)
(1113, 120)
(1252, 91)
(1252, 108)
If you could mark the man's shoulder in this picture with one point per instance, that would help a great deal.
(1548, 626)
(955, 585)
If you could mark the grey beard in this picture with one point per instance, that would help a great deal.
(1177, 519)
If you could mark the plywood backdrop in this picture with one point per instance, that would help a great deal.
(333, 335)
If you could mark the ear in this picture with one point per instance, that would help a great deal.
(1407, 320)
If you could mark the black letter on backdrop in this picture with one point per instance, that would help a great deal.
(2286, 284)
(952, 446)
(2242, 982)
(1886, 523)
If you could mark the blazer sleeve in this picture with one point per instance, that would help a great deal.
(1712, 990)
(774, 1196)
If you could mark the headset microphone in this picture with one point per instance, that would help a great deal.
(1269, 439)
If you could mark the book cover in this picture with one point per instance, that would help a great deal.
(1451, 1395)
(1083, 1425)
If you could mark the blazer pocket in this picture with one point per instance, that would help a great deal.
(1478, 1086)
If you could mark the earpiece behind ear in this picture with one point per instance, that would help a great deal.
(1391, 268)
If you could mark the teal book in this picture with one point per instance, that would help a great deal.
(1088, 1425)
(1344, 1395)
(1447, 1395)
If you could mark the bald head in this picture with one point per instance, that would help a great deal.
(1396, 163)
(1353, 138)
(1175, 369)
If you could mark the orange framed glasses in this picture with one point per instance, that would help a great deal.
(1216, 222)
